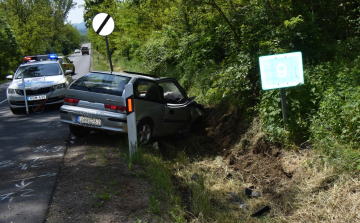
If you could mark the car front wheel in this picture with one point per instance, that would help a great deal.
(144, 132)
(16, 111)
(79, 131)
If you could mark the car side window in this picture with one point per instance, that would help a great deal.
(147, 90)
(171, 92)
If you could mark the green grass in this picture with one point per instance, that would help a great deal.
(164, 198)
(101, 63)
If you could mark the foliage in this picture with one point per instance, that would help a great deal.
(337, 120)
(212, 47)
(37, 27)
(10, 50)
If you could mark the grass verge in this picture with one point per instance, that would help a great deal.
(297, 185)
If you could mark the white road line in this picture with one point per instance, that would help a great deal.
(3, 101)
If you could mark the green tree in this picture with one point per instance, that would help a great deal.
(10, 52)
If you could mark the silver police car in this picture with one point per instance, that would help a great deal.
(44, 79)
(97, 101)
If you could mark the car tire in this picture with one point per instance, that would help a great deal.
(16, 111)
(73, 71)
(79, 131)
(144, 131)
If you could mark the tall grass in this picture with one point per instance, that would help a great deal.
(165, 200)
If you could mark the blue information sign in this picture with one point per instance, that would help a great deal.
(281, 70)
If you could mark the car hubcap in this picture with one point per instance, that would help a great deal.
(144, 134)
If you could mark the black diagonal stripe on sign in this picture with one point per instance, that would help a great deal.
(103, 24)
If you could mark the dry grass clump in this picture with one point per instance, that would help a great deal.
(210, 183)
(298, 185)
(324, 195)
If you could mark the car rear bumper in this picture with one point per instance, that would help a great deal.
(109, 120)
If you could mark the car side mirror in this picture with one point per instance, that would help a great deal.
(9, 77)
(71, 61)
(68, 72)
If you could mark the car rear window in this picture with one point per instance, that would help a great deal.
(38, 70)
(101, 83)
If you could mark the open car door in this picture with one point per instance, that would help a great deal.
(177, 105)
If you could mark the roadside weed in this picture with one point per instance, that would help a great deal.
(154, 206)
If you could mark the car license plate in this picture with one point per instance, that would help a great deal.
(88, 121)
(34, 98)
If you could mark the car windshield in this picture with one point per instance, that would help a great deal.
(38, 70)
(101, 83)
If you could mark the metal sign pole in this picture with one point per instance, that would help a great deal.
(26, 103)
(108, 53)
(283, 106)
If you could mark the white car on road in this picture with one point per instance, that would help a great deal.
(45, 79)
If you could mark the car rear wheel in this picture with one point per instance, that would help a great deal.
(73, 71)
(79, 131)
(144, 131)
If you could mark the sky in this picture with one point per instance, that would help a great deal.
(76, 14)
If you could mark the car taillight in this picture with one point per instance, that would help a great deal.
(71, 101)
(115, 108)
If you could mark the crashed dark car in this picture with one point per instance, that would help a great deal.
(97, 101)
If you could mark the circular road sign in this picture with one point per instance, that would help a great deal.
(103, 24)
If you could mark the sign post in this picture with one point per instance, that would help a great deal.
(283, 106)
(131, 119)
(25, 97)
(280, 71)
(103, 25)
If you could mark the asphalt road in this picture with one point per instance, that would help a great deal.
(32, 147)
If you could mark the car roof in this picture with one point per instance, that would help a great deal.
(130, 74)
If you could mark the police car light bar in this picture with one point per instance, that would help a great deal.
(53, 56)
(40, 57)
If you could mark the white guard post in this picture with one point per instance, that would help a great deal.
(25, 97)
(131, 118)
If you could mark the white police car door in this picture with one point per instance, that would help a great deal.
(177, 110)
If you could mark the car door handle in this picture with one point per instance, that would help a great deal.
(171, 112)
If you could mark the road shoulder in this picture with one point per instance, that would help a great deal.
(96, 185)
